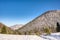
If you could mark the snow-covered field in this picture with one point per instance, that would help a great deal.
(20, 37)
(53, 36)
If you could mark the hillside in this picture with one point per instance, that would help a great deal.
(47, 20)
(6, 30)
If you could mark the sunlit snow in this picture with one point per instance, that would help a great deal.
(53, 36)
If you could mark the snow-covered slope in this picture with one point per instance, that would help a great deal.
(53, 36)
(47, 19)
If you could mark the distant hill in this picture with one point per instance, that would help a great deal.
(17, 26)
(6, 30)
(48, 19)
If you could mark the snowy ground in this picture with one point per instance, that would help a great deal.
(53, 36)
(19, 37)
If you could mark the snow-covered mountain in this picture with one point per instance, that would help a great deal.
(15, 27)
(47, 19)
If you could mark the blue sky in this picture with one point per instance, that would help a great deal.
(22, 11)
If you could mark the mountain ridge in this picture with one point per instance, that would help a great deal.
(41, 15)
(49, 18)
